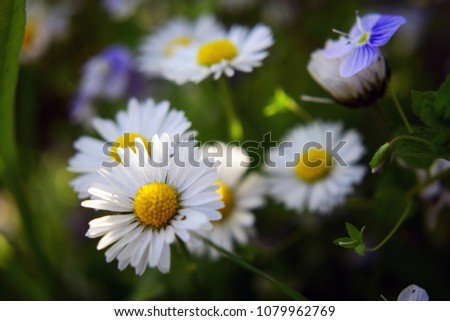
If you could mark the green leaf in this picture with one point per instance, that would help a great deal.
(442, 102)
(433, 107)
(12, 26)
(361, 249)
(346, 242)
(280, 102)
(353, 232)
(423, 146)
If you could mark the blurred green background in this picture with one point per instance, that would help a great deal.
(61, 264)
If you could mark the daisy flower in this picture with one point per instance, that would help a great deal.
(141, 120)
(359, 90)
(413, 293)
(43, 25)
(154, 205)
(362, 46)
(239, 49)
(175, 34)
(315, 167)
(240, 196)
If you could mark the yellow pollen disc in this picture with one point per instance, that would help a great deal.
(313, 165)
(174, 43)
(156, 204)
(30, 33)
(364, 38)
(127, 140)
(216, 51)
(227, 198)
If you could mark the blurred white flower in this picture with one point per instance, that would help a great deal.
(436, 194)
(177, 33)
(315, 166)
(240, 194)
(121, 9)
(238, 49)
(413, 293)
(156, 204)
(141, 120)
(44, 24)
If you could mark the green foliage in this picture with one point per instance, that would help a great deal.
(12, 26)
(381, 156)
(354, 241)
(433, 107)
(280, 102)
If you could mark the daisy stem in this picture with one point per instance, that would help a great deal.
(281, 286)
(400, 110)
(235, 126)
(190, 265)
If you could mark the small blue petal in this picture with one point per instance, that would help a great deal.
(413, 293)
(359, 59)
(337, 48)
(366, 23)
(384, 29)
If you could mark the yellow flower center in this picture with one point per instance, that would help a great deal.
(156, 204)
(227, 197)
(313, 165)
(28, 37)
(127, 140)
(215, 51)
(364, 38)
(173, 44)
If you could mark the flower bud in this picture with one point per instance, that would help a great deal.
(360, 90)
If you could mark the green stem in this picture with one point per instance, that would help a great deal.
(409, 195)
(413, 138)
(235, 126)
(400, 110)
(191, 266)
(281, 286)
(300, 112)
(395, 228)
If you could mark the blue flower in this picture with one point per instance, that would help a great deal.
(110, 75)
(413, 293)
(361, 48)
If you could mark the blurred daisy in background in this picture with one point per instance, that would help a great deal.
(413, 293)
(44, 24)
(239, 49)
(240, 194)
(315, 167)
(110, 75)
(156, 205)
(121, 9)
(177, 33)
(140, 120)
